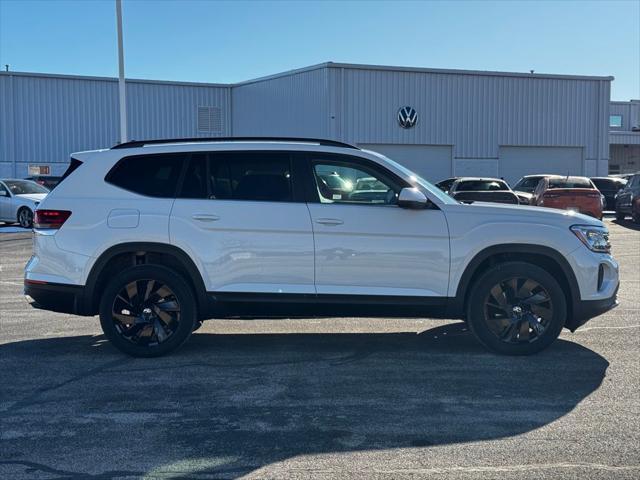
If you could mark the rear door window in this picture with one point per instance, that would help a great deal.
(257, 176)
(150, 175)
(195, 180)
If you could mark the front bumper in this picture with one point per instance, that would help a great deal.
(585, 310)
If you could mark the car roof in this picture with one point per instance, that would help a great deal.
(569, 177)
(480, 179)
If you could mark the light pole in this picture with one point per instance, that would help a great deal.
(122, 90)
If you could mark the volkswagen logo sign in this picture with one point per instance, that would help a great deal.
(407, 117)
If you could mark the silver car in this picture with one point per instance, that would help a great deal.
(19, 199)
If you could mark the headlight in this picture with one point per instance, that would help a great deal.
(595, 238)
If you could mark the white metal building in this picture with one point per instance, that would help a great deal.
(459, 122)
(624, 137)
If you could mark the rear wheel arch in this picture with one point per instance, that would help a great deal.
(547, 258)
(124, 255)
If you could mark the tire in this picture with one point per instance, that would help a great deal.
(25, 217)
(152, 323)
(636, 217)
(620, 216)
(509, 325)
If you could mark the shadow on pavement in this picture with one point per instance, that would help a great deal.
(226, 405)
(631, 225)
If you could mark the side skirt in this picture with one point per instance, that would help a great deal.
(264, 305)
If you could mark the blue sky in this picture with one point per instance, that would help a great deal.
(212, 41)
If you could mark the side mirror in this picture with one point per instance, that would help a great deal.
(412, 198)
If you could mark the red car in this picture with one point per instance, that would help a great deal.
(569, 193)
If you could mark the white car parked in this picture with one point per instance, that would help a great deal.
(19, 199)
(157, 236)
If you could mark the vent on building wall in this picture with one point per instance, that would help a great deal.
(209, 119)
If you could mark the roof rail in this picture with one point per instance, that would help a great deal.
(320, 141)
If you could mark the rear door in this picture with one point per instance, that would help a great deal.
(240, 217)
(366, 244)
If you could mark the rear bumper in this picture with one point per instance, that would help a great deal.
(56, 297)
(585, 310)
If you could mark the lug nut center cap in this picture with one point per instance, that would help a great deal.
(517, 310)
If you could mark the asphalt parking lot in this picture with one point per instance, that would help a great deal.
(317, 398)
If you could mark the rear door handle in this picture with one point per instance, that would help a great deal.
(203, 217)
(329, 221)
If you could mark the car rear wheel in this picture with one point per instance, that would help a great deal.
(516, 308)
(25, 217)
(148, 311)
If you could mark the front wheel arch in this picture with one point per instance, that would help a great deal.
(545, 257)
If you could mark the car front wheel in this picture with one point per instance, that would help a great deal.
(147, 311)
(25, 217)
(516, 308)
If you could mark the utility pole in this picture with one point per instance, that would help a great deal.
(122, 89)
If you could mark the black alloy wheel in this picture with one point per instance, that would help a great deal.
(148, 310)
(518, 310)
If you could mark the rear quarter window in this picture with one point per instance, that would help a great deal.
(150, 175)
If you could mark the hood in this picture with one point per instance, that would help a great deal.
(34, 197)
(520, 213)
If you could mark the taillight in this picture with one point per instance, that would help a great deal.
(50, 218)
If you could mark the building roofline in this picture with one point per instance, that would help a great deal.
(353, 66)
(468, 72)
(113, 79)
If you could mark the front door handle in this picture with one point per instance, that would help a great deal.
(329, 221)
(204, 217)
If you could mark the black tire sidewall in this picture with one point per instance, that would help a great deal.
(498, 273)
(183, 292)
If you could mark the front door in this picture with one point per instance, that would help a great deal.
(365, 244)
(236, 213)
(5, 203)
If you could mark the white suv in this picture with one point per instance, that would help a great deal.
(157, 236)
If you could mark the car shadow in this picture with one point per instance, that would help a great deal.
(630, 224)
(227, 405)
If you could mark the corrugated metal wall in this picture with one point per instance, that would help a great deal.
(630, 112)
(45, 118)
(476, 114)
(292, 105)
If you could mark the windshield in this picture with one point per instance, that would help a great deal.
(480, 185)
(527, 184)
(570, 182)
(417, 181)
(370, 183)
(21, 187)
(608, 183)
